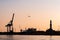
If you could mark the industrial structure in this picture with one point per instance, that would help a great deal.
(50, 24)
(10, 25)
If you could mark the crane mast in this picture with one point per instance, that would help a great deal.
(10, 25)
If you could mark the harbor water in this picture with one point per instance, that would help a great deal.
(28, 37)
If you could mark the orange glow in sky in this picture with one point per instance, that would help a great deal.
(41, 11)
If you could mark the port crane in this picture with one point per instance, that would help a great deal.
(10, 25)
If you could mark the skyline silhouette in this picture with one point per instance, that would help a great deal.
(10, 27)
(29, 31)
(30, 13)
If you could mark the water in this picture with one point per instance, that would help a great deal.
(28, 37)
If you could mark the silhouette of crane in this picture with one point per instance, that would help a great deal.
(10, 25)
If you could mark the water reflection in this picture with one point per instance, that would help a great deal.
(50, 37)
(27, 37)
(9, 37)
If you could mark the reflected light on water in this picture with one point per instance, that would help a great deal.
(28, 37)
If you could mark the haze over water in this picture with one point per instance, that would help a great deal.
(28, 37)
(29, 14)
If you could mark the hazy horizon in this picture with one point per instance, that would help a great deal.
(41, 12)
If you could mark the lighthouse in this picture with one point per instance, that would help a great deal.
(50, 24)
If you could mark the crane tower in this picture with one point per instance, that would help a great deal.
(10, 25)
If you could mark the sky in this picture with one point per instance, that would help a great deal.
(41, 12)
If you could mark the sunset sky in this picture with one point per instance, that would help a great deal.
(41, 11)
